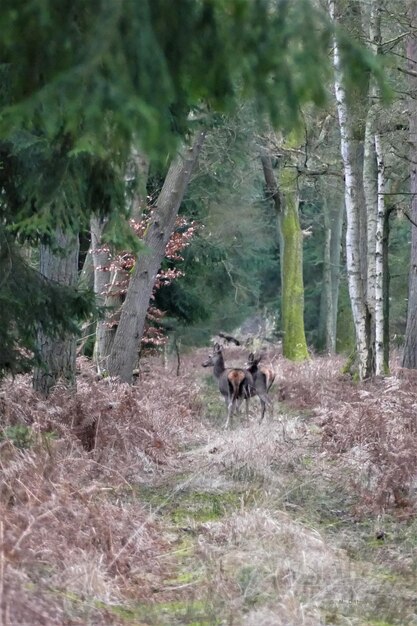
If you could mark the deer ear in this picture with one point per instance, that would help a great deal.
(250, 357)
(217, 347)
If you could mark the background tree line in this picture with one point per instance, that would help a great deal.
(276, 132)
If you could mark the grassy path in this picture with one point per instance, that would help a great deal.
(261, 535)
(131, 506)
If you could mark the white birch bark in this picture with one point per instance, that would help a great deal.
(376, 204)
(353, 185)
(379, 266)
(371, 200)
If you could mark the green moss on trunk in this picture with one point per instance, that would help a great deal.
(294, 341)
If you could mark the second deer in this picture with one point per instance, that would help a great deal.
(263, 377)
(235, 384)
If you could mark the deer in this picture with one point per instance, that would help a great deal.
(235, 384)
(263, 377)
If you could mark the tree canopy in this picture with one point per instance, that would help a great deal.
(82, 83)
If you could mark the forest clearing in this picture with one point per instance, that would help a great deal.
(132, 505)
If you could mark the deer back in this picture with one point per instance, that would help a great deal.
(233, 382)
(263, 376)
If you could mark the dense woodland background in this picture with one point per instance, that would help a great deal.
(170, 171)
(276, 180)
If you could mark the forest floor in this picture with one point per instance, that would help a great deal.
(133, 506)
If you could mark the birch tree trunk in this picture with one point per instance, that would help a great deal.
(57, 353)
(371, 200)
(380, 364)
(124, 355)
(374, 182)
(410, 347)
(354, 210)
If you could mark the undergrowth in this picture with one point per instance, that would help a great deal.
(132, 505)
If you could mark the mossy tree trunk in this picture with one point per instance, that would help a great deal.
(294, 343)
(285, 198)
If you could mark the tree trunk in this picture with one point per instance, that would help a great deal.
(108, 283)
(57, 353)
(101, 260)
(124, 355)
(273, 194)
(86, 283)
(371, 200)
(333, 222)
(386, 285)
(410, 347)
(374, 181)
(349, 138)
(294, 343)
(379, 262)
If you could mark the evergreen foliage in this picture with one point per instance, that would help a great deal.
(29, 304)
(80, 83)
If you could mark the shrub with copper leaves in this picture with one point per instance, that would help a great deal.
(123, 263)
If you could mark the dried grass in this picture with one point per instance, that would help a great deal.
(271, 570)
(76, 539)
(71, 523)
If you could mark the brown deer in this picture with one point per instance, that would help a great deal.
(263, 377)
(234, 383)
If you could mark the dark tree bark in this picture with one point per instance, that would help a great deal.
(107, 282)
(124, 355)
(333, 222)
(410, 347)
(57, 353)
(386, 285)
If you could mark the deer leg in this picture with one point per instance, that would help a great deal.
(229, 405)
(247, 408)
(262, 401)
(265, 402)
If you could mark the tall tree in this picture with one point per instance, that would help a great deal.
(285, 198)
(352, 134)
(333, 210)
(410, 347)
(60, 265)
(124, 354)
(374, 186)
(110, 281)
